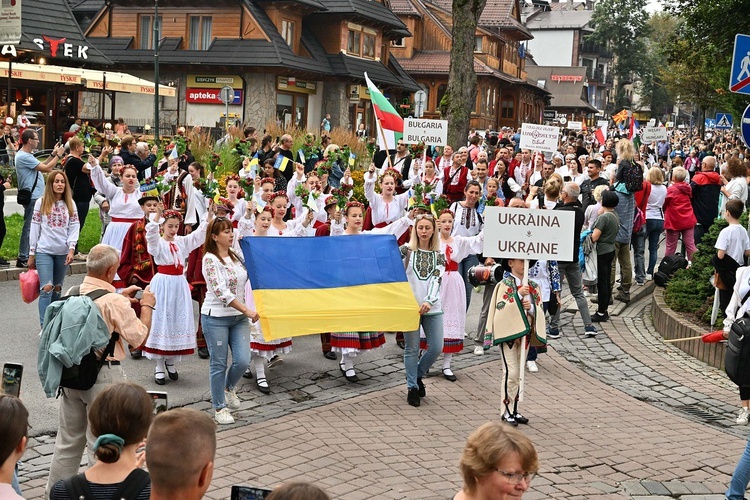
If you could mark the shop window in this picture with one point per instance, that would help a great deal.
(287, 32)
(353, 46)
(146, 36)
(368, 46)
(200, 32)
(508, 107)
(291, 109)
(477, 44)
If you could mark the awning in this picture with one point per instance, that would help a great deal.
(91, 78)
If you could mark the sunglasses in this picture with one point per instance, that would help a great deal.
(425, 216)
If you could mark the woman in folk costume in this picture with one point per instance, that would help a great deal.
(427, 175)
(312, 186)
(387, 206)
(279, 201)
(261, 350)
(546, 274)
(452, 291)
(350, 344)
(178, 196)
(516, 320)
(124, 209)
(172, 327)
(235, 196)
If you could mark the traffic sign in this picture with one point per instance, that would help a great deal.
(420, 99)
(226, 94)
(724, 121)
(745, 126)
(739, 81)
(710, 123)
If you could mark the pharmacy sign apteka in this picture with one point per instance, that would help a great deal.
(539, 137)
(517, 233)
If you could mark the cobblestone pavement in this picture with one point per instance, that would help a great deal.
(621, 415)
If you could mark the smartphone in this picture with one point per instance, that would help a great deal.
(139, 294)
(12, 374)
(159, 400)
(248, 493)
(277, 139)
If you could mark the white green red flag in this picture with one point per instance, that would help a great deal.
(389, 120)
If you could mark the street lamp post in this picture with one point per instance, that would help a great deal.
(156, 70)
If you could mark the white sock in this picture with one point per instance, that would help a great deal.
(259, 363)
(447, 364)
(159, 367)
(169, 362)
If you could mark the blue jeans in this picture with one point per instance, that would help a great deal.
(222, 334)
(638, 240)
(741, 476)
(23, 248)
(432, 324)
(51, 269)
(463, 268)
(654, 228)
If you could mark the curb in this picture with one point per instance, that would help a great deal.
(12, 273)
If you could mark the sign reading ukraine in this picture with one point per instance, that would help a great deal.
(303, 286)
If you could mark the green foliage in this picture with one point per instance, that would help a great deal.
(14, 223)
(690, 290)
(654, 94)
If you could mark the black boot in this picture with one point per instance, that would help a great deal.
(412, 397)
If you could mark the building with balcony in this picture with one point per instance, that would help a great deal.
(288, 61)
(505, 96)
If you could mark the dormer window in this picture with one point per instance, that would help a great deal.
(361, 41)
(398, 43)
(287, 32)
(478, 43)
(200, 32)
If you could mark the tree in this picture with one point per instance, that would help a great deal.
(622, 26)
(651, 87)
(459, 98)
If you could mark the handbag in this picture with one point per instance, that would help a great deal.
(23, 197)
(29, 283)
(737, 356)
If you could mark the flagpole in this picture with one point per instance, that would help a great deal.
(385, 141)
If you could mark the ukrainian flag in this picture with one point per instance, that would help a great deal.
(304, 285)
(282, 162)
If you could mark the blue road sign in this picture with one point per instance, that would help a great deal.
(739, 81)
(745, 126)
(724, 121)
(710, 123)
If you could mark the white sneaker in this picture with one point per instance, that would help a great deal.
(479, 350)
(223, 417)
(231, 399)
(743, 416)
(531, 366)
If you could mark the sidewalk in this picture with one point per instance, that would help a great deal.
(621, 415)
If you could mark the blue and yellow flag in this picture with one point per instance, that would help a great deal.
(282, 162)
(304, 285)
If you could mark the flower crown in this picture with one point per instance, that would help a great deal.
(353, 204)
(392, 172)
(231, 177)
(447, 211)
(172, 214)
(267, 180)
(278, 194)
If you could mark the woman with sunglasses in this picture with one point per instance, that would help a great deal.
(498, 462)
(172, 327)
(425, 266)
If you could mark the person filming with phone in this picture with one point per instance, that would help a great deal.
(117, 315)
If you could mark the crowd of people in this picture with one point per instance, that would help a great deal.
(179, 243)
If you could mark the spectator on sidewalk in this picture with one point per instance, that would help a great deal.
(732, 246)
(734, 189)
(4, 184)
(706, 185)
(14, 428)
(497, 459)
(180, 453)
(29, 172)
(638, 239)
(654, 216)
(679, 219)
(606, 230)
(589, 185)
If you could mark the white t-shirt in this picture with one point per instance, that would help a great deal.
(734, 240)
(655, 207)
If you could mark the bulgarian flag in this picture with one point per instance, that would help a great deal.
(390, 124)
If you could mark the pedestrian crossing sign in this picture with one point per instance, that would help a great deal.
(739, 80)
(723, 121)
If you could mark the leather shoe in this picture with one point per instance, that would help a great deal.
(159, 380)
(247, 374)
(263, 388)
(520, 419)
(422, 390)
(203, 353)
(329, 355)
(510, 419)
(136, 354)
(352, 378)
(412, 397)
(172, 375)
(450, 377)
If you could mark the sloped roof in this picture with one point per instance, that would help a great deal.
(404, 7)
(367, 9)
(559, 19)
(565, 94)
(438, 63)
(86, 5)
(54, 19)
(355, 68)
(496, 14)
(315, 4)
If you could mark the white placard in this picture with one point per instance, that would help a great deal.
(513, 233)
(670, 124)
(575, 125)
(432, 132)
(651, 134)
(539, 137)
(10, 23)
(602, 124)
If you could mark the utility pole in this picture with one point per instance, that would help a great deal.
(156, 71)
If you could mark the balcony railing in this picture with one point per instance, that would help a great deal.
(595, 49)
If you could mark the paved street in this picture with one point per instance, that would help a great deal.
(622, 415)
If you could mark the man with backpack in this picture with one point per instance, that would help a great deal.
(100, 320)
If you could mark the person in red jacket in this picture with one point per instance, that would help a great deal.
(706, 185)
(639, 237)
(455, 178)
(679, 218)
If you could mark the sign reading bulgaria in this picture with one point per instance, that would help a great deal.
(539, 137)
(513, 233)
(432, 132)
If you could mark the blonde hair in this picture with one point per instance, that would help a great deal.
(625, 150)
(434, 245)
(48, 199)
(488, 445)
(598, 192)
(655, 176)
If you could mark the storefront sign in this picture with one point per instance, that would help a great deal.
(432, 132)
(357, 92)
(566, 78)
(10, 22)
(214, 81)
(210, 96)
(540, 137)
(291, 84)
(528, 234)
(42, 76)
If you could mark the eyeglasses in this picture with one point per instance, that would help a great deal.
(517, 477)
(425, 216)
